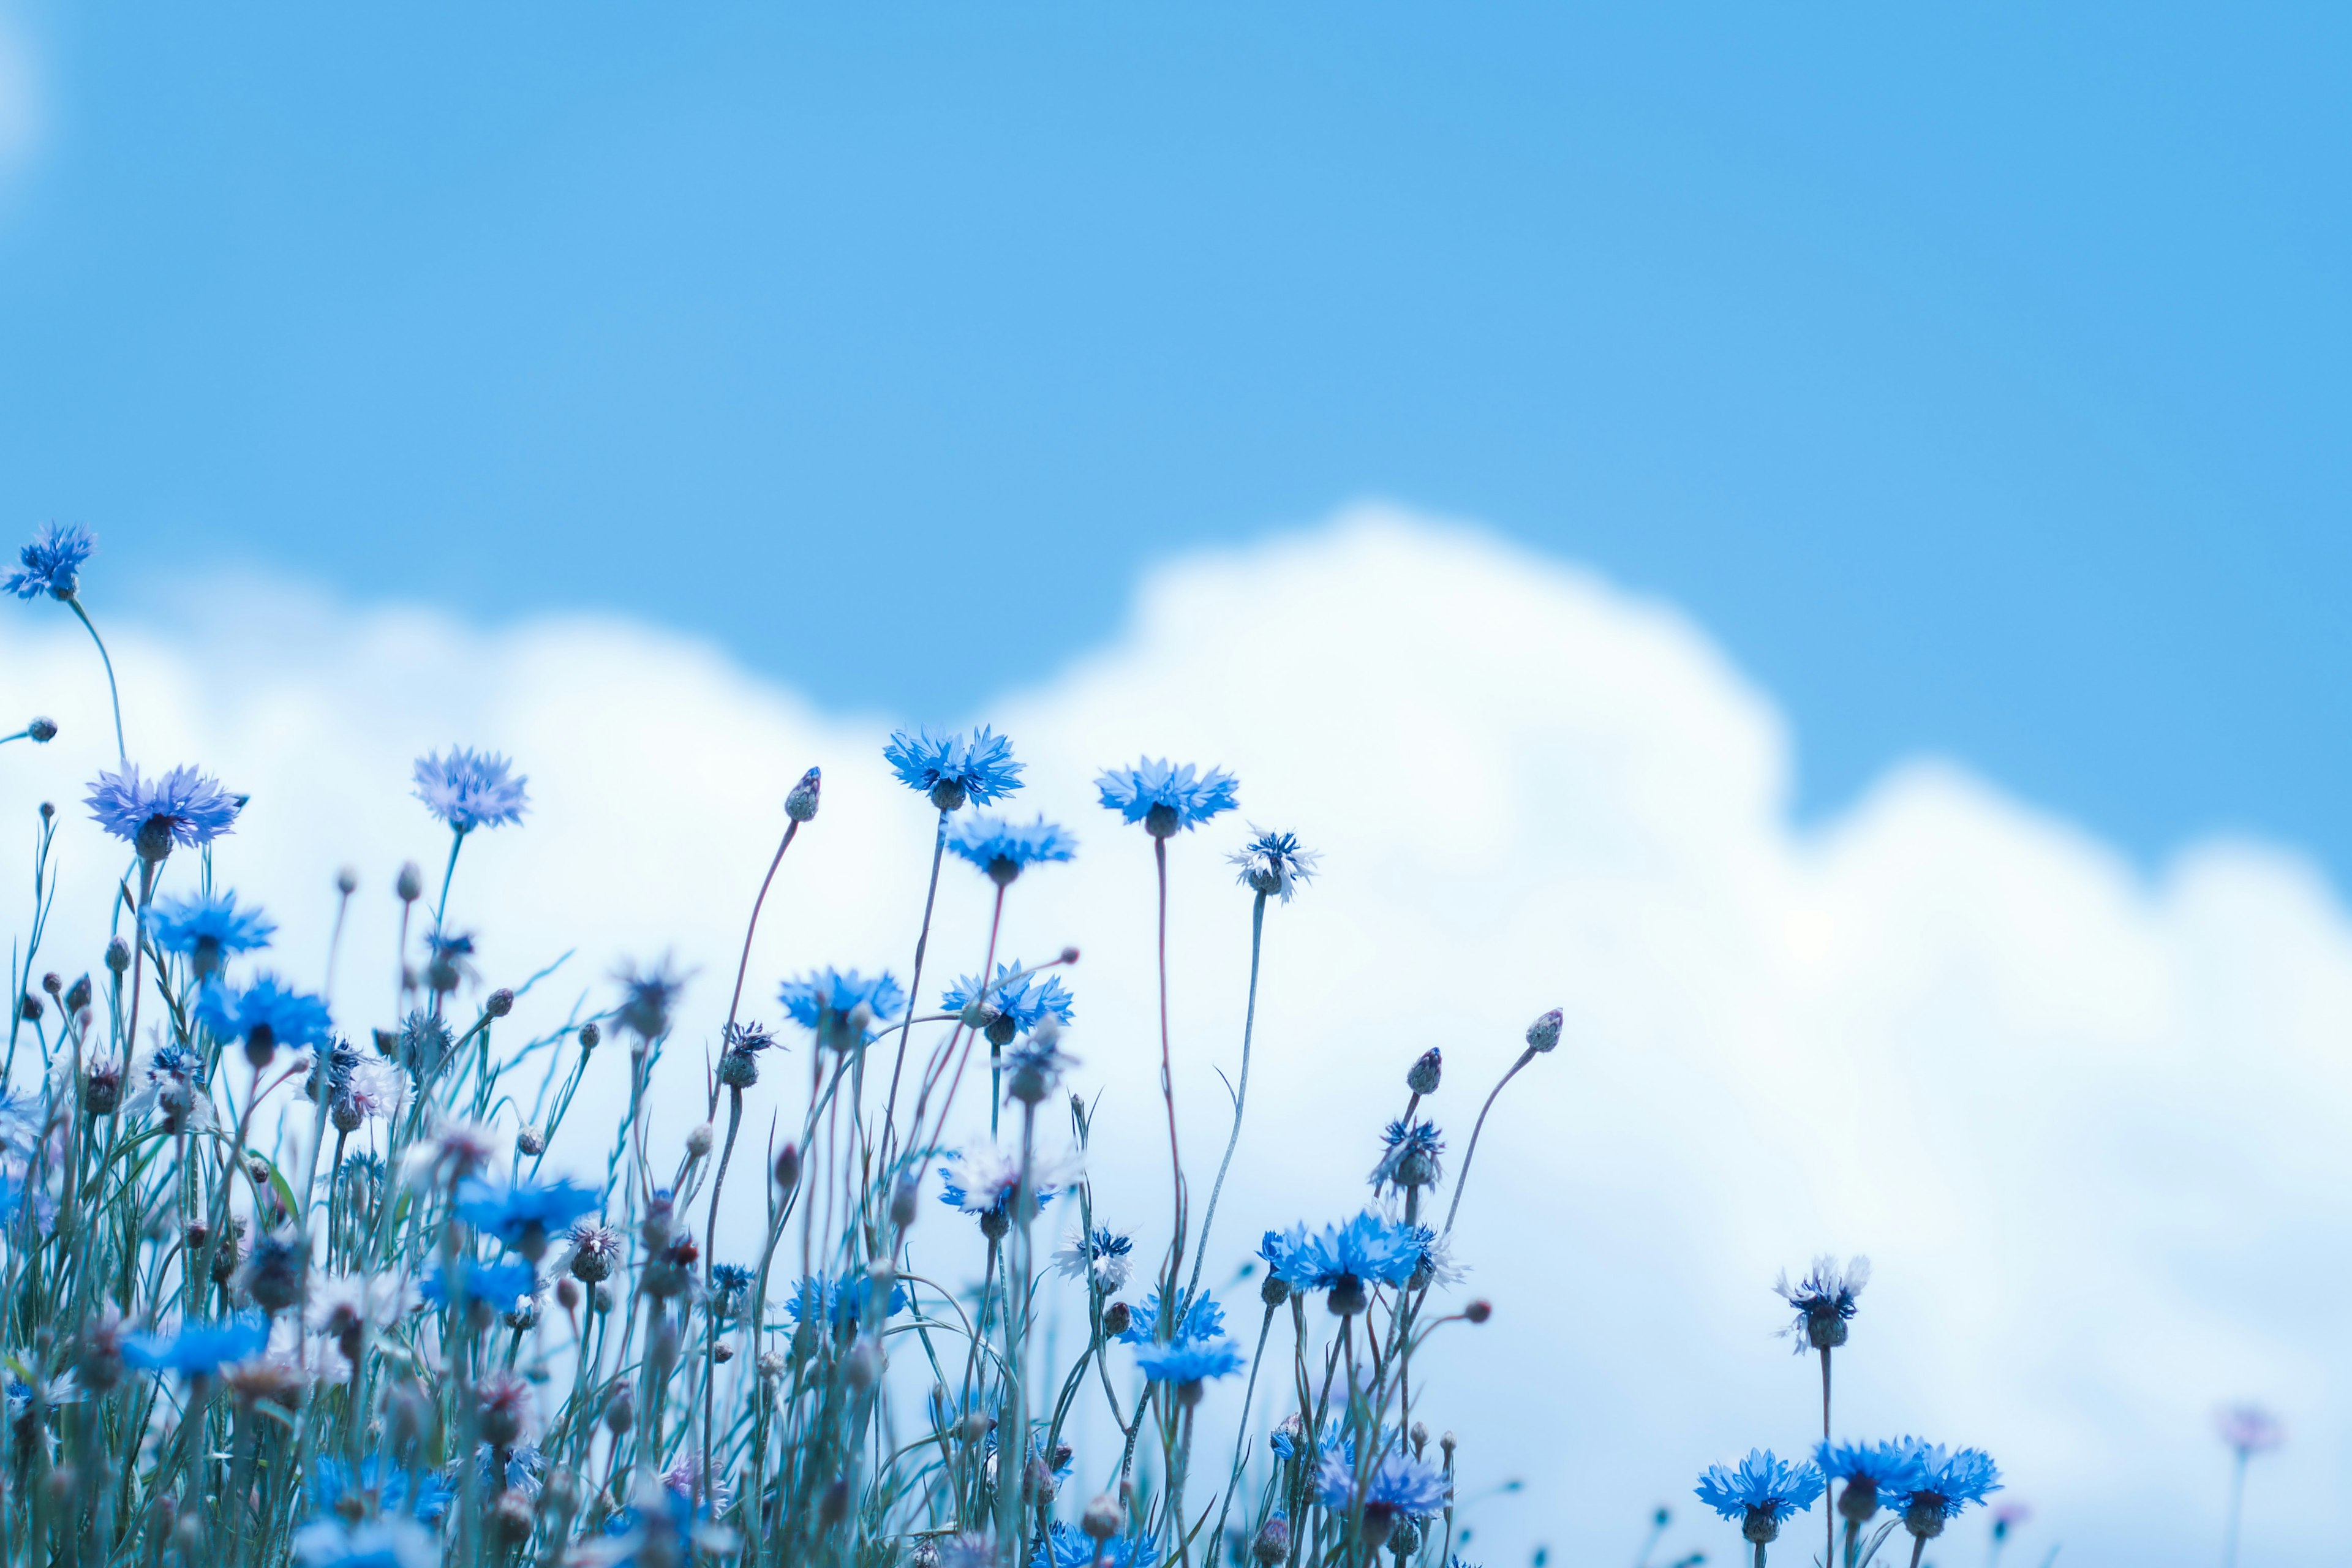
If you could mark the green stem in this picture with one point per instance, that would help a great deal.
(122, 753)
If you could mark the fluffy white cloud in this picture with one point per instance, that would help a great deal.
(2088, 1125)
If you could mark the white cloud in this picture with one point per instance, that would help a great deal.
(2090, 1127)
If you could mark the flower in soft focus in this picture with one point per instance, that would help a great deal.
(1369, 1249)
(1165, 798)
(1409, 1156)
(170, 1081)
(2249, 1428)
(522, 1215)
(647, 996)
(469, 789)
(1823, 1300)
(1760, 1493)
(381, 1484)
(1005, 849)
(1188, 1361)
(379, 1543)
(208, 930)
(1272, 864)
(1871, 1471)
(1066, 1548)
(983, 1181)
(1399, 1487)
(345, 1305)
(371, 1091)
(738, 1063)
(1103, 1257)
(1201, 1318)
(1020, 998)
(953, 768)
(198, 1349)
(52, 563)
(1941, 1485)
(452, 1149)
(729, 1283)
(840, 1302)
(184, 808)
(263, 1015)
(682, 1477)
(499, 1285)
(829, 1001)
(595, 1251)
(1036, 1065)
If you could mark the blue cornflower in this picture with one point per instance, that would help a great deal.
(468, 789)
(1005, 849)
(184, 808)
(1824, 1303)
(1409, 1156)
(501, 1284)
(1187, 1361)
(52, 562)
(1165, 798)
(1872, 1471)
(198, 1349)
(1940, 1485)
(1273, 863)
(207, 929)
(1399, 1487)
(1066, 1548)
(1022, 997)
(381, 1543)
(1370, 1249)
(265, 1015)
(522, 1215)
(840, 1302)
(952, 768)
(1103, 1257)
(1760, 1493)
(983, 1181)
(823, 1000)
(1199, 1320)
(387, 1483)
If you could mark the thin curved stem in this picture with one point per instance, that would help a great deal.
(121, 752)
(1241, 1099)
(1165, 1328)
(743, 965)
(448, 872)
(1470, 1154)
(914, 985)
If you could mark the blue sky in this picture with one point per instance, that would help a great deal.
(1978, 378)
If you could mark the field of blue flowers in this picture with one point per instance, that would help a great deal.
(287, 1275)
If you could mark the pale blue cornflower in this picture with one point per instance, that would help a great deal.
(1824, 1303)
(1005, 849)
(1165, 798)
(646, 997)
(381, 1483)
(1272, 865)
(265, 1015)
(1760, 1492)
(982, 1181)
(524, 1215)
(839, 1303)
(52, 563)
(469, 789)
(1199, 1319)
(1022, 997)
(954, 768)
(1036, 1067)
(207, 929)
(501, 1284)
(184, 808)
(1066, 1548)
(827, 1002)
(1187, 1362)
(1102, 1256)
(1872, 1471)
(1399, 1487)
(729, 1283)
(198, 1349)
(1940, 1485)
(1409, 1156)
(1370, 1249)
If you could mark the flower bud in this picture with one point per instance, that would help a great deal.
(1272, 1543)
(620, 1411)
(863, 1366)
(347, 881)
(499, 1003)
(801, 804)
(1273, 1289)
(788, 1167)
(410, 883)
(1069, 955)
(699, 1142)
(1103, 1518)
(1478, 1311)
(54, 984)
(530, 1143)
(1117, 1318)
(589, 1036)
(903, 1203)
(42, 731)
(77, 995)
(28, 1007)
(1544, 1032)
(118, 955)
(1422, 1079)
(948, 794)
(834, 1506)
(567, 1294)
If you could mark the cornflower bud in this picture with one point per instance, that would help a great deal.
(620, 1411)
(1069, 955)
(1272, 1543)
(1117, 1318)
(28, 1007)
(529, 1142)
(1544, 1032)
(1422, 1079)
(77, 995)
(567, 1294)
(54, 984)
(589, 1036)
(118, 955)
(41, 731)
(903, 1205)
(1478, 1311)
(1273, 1289)
(347, 881)
(499, 1003)
(510, 1521)
(802, 802)
(410, 883)
(699, 1142)
(788, 1167)
(102, 1087)
(1102, 1520)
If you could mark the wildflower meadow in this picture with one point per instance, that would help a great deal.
(336, 1275)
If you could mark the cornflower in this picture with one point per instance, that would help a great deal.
(383, 1484)
(1272, 865)
(1066, 1548)
(183, 807)
(1164, 798)
(52, 563)
(206, 931)
(468, 789)
(840, 1302)
(198, 1349)
(499, 1285)
(1399, 1487)
(1760, 1492)
(1940, 1485)
(1005, 849)
(954, 768)
(1370, 1249)
(1187, 1362)
(520, 1215)
(1018, 998)
(266, 1015)
(595, 1249)
(1102, 1257)
(982, 1181)
(172, 1080)
(1824, 1303)
(1409, 1156)
(841, 1007)
(1199, 1318)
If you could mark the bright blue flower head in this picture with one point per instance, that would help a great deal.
(498, 1284)
(1942, 1484)
(1399, 1487)
(468, 789)
(1370, 1249)
(1005, 849)
(198, 1349)
(1889, 1467)
(208, 929)
(1409, 1156)
(1188, 1361)
(523, 1216)
(387, 1483)
(1201, 1320)
(824, 999)
(1762, 1488)
(1165, 798)
(1272, 864)
(1066, 1548)
(184, 808)
(952, 769)
(1025, 1000)
(267, 1012)
(51, 564)
(838, 1303)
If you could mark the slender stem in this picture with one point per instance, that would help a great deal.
(1241, 1099)
(1165, 1328)
(2237, 1510)
(914, 985)
(121, 752)
(743, 965)
(441, 909)
(1470, 1153)
(1918, 1544)
(1829, 1514)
